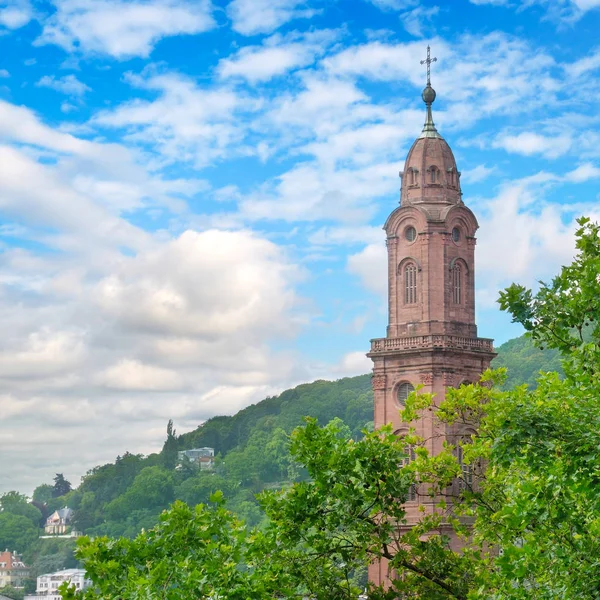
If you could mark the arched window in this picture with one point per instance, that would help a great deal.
(457, 283)
(451, 176)
(413, 178)
(404, 389)
(434, 175)
(410, 284)
(410, 456)
(466, 476)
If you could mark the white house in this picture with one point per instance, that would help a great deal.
(204, 458)
(47, 585)
(59, 521)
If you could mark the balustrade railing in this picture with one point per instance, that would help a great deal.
(431, 341)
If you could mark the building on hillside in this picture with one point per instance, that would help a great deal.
(59, 521)
(204, 458)
(431, 336)
(47, 585)
(13, 571)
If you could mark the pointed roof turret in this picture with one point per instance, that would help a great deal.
(430, 177)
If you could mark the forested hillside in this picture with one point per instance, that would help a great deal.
(122, 497)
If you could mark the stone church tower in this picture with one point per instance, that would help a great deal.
(431, 335)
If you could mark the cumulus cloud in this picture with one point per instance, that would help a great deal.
(123, 29)
(15, 14)
(250, 17)
(583, 173)
(186, 123)
(69, 85)
(111, 330)
(130, 374)
(277, 56)
(529, 143)
(179, 330)
(370, 266)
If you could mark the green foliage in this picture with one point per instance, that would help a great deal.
(169, 450)
(153, 488)
(11, 592)
(61, 486)
(43, 493)
(197, 553)
(523, 361)
(17, 532)
(524, 498)
(18, 504)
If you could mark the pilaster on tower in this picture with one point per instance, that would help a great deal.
(431, 336)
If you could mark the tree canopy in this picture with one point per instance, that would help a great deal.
(521, 492)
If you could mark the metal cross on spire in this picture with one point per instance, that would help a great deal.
(428, 62)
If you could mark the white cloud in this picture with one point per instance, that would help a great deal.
(198, 286)
(583, 173)
(333, 236)
(41, 354)
(524, 237)
(477, 174)
(394, 4)
(4, 73)
(584, 65)
(133, 375)
(185, 123)
(352, 364)
(370, 266)
(251, 17)
(529, 143)
(416, 20)
(276, 56)
(69, 85)
(123, 29)
(586, 5)
(15, 14)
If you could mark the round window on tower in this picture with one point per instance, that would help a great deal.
(404, 389)
(456, 235)
(410, 233)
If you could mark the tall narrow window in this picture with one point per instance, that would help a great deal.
(413, 176)
(404, 389)
(457, 283)
(434, 175)
(466, 477)
(410, 456)
(410, 284)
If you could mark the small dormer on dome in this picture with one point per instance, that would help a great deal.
(430, 175)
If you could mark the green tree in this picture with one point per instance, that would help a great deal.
(18, 504)
(153, 488)
(527, 485)
(16, 532)
(170, 448)
(191, 553)
(61, 486)
(43, 493)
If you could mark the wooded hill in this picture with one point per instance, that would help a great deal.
(122, 497)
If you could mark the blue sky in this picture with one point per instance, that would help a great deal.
(192, 194)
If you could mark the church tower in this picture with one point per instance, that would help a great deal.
(431, 335)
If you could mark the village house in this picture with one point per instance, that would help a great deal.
(59, 521)
(13, 570)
